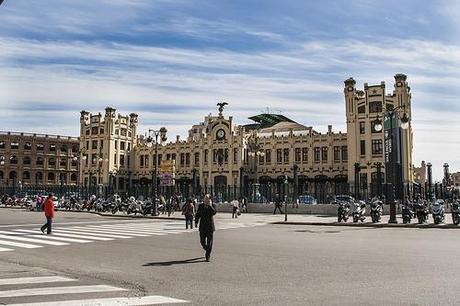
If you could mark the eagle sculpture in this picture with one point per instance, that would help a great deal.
(221, 107)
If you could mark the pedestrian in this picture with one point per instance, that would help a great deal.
(278, 206)
(205, 216)
(48, 208)
(188, 210)
(235, 211)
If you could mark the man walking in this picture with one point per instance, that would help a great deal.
(278, 206)
(48, 208)
(205, 215)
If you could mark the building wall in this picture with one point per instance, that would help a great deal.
(35, 159)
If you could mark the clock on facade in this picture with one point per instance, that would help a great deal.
(220, 134)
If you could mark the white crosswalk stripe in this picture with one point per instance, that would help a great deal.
(101, 232)
(53, 291)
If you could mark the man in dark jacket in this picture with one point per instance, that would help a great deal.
(205, 215)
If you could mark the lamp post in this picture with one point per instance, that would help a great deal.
(393, 154)
(256, 151)
(152, 140)
(357, 170)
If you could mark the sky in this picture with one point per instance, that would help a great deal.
(171, 61)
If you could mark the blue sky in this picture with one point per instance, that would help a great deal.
(173, 60)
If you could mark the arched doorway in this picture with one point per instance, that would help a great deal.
(220, 188)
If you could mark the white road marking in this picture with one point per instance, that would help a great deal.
(5, 250)
(63, 239)
(19, 245)
(79, 236)
(127, 229)
(34, 280)
(58, 290)
(102, 230)
(30, 240)
(89, 232)
(128, 301)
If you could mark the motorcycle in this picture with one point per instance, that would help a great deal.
(422, 212)
(133, 206)
(359, 209)
(437, 210)
(343, 211)
(376, 210)
(406, 212)
(456, 212)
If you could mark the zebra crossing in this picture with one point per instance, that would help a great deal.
(41, 290)
(27, 238)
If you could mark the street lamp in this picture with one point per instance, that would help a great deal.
(256, 151)
(389, 153)
(151, 141)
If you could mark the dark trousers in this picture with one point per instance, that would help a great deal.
(206, 242)
(235, 212)
(47, 225)
(189, 220)
(279, 208)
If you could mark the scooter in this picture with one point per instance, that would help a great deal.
(359, 209)
(376, 210)
(456, 212)
(343, 211)
(437, 210)
(406, 211)
(422, 212)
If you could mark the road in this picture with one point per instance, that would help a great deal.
(253, 263)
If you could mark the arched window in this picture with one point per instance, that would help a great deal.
(73, 177)
(1, 175)
(39, 162)
(62, 178)
(12, 175)
(27, 146)
(52, 162)
(40, 147)
(63, 163)
(26, 160)
(26, 175)
(38, 177)
(51, 177)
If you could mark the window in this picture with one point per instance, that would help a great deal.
(182, 159)
(52, 147)
(123, 132)
(14, 145)
(363, 180)
(94, 130)
(235, 155)
(324, 154)
(74, 148)
(87, 132)
(27, 160)
(122, 145)
(197, 158)
(51, 177)
(297, 155)
(362, 127)
(279, 156)
(344, 153)
(361, 109)
(317, 155)
(377, 147)
(375, 107)
(51, 162)
(40, 147)
(116, 144)
(101, 131)
(129, 161)
(286, 155)
(73, 177)
(304, 155)
(363, 147)
(129, 146)
(146, 158)
(115, 160)
(101, 144)
(63, 163)
(116, 132)
(261, 159)
(94, 144)
(226, 155)
(74, 163)
(122, 160)
(141, 161)
(336, 153)
(39, 161)
(27, 146)
(173, 156)
(26, 175)
(268, 156)
(206, 156)
(13, 160)
(187, 159)
(87, 145)
(2, 144)
(63, 148)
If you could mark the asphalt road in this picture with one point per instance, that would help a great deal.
(253, 263)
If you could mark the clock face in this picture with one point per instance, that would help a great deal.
(220, 134)
(399, 84)
(350, 88)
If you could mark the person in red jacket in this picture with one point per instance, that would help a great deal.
(48, 208)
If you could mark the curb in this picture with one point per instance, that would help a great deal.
(371, 225)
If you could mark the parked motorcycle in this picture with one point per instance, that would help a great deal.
(422, 212)
(134, 206)
(437, 210)
(456, 212)
(376, 210)
(406, 212)
(359, 209)
(343, 211)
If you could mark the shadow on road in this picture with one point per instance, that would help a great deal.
(175, 262)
